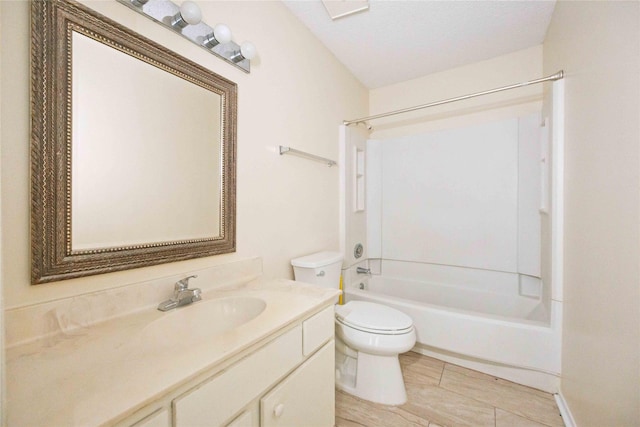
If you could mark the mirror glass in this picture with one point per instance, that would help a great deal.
(145, 155)
(133, 149)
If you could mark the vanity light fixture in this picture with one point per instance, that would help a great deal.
(247, 51)
(189, 14)
(186, 20)
(221, 34)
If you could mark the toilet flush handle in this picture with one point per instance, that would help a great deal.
(321, 274)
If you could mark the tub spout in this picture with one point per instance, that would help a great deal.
(362, 270)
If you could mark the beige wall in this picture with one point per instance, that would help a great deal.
(597, 44)
(297, 94)
(507, 69)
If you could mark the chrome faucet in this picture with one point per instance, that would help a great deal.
(362, 270)
(182, 295)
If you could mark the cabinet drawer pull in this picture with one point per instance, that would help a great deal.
(278, 410)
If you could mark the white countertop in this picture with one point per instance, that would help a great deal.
(105, 372)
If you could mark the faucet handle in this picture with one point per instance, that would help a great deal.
(362, 270)
(183, 284)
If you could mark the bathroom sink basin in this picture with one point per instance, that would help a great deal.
(205, 318)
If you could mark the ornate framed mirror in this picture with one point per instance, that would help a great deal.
(133, 149)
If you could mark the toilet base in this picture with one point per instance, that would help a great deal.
(376, 378)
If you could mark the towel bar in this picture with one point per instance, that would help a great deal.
(285, 150)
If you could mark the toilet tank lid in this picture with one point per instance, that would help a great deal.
(319, 259)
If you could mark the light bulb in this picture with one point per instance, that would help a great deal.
(189, 14)
(221, 34)
(248, 50)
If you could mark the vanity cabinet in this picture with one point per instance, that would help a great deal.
(266, 360)
(283, 383)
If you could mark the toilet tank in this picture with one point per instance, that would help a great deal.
(322, 269)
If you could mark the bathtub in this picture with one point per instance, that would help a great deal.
(478, 319)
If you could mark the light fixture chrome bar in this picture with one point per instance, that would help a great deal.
(162, 12)
(556, 76)
(289, 150)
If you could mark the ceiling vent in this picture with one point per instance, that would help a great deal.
(341, 8)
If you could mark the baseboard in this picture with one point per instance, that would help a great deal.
(531, 378)
(567, 418)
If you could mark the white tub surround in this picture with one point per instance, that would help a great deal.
(143, 363)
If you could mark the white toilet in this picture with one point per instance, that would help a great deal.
(369, 336)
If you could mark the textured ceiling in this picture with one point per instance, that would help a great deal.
(398, 40)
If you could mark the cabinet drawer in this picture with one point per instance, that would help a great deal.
(306, 397)
(215, 401)
(317, 330)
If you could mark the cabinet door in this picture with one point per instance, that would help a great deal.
(306, 397)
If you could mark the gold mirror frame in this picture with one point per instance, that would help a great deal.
(53, 259)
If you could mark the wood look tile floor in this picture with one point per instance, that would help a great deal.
(442, 394)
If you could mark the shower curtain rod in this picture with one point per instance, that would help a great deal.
(556, 76)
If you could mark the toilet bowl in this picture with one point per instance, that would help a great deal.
(369, 336)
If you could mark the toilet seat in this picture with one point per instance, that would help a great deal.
(373, 318)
